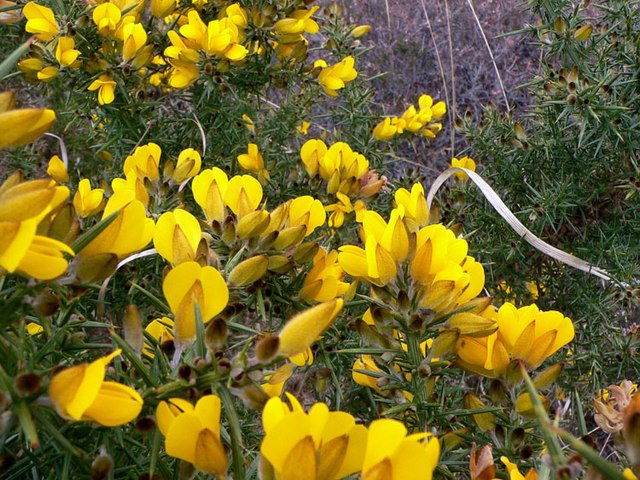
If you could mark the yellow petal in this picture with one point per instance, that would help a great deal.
(168, 410)
(115, 404)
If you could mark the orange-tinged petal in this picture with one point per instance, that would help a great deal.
(210, 456)
(301, 461)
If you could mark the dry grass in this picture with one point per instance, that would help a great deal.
(405, 49)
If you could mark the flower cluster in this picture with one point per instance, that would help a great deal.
(422, 120)
(330, 445)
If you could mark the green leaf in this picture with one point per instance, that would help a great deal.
(87, 237)
(8, 63)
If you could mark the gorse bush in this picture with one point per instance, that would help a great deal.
(217, 277)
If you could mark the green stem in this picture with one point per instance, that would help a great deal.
(28, 427)
(235, 433)
(550, 436)
(417, 382)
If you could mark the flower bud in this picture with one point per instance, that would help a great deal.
(215, 335)
(28, 383)
(102, 465)
(249, 270)
(267, 348)
(583, 33)
(133, 332)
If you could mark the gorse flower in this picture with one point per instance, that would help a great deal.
(106, 16)
(87, 201)
(525, 333)
(81, 393)
(187, 166)
(337, 76)
(66, 54)
(391, 454)
(464, 162)
(23, 205)
(253, 162)
(324, 280)
(321, 444)
(41, 21)
(105, 86)
(22, 126)
(209, 189)
(416, 120)
(188, 286)
(193, 433)
(177, 236)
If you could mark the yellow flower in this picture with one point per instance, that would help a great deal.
(222, 37)
(144, 162)
(44, 259)
(416, 211)
(324, 280)
(187, 166)
(525, 333)
(19, 127)
(177, 235)
(306, 211)
(388, 128)
(134, 38)
(243, 194)
(392, 455)
(253, 162)
(41, 21)
(105, 85)
(307, 326)
(464, 162)
(66, 54)
(337, 76)
(339, 210)
(34, 328)
(189, 284)
(448, 276)
(236, 14)
(81, 393)
(161, 329)
(133, 183)
(303, 127)
(362, 365)
(57, 170)
(209, 188)
(193, 434)
(311, 153)
(47, 74)
(299, 22)
(129, 232)
(22, 206)
(106, 16)
(321, 444)
(87, 201)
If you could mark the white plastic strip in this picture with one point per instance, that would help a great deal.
(515, 224)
